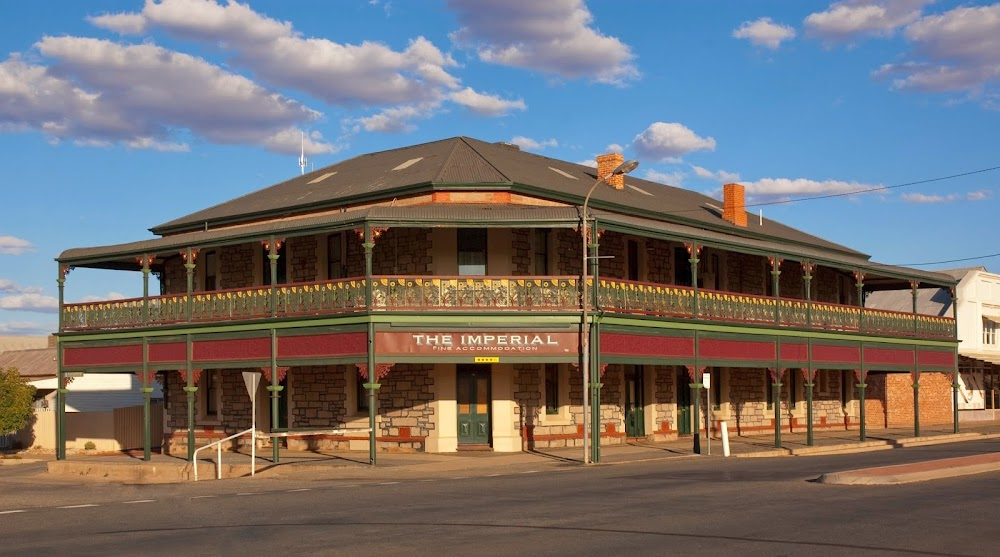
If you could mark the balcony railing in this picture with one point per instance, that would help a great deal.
(558, 294)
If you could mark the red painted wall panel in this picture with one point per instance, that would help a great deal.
(102, 355)
(168, 352)
(737, 349)
(935, 358)
(647, 345)
(232, 350)
(888, 356)
(823, 353)
(315, 346)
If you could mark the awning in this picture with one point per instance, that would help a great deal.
(988, 357)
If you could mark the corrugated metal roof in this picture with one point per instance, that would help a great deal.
(31, 363)
(930, 301)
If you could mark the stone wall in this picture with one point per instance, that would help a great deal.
(892, 394)
(398, 251)
(317, 396)
(405, 397)
(174, 279)
(658, 261)
(665, 408)
(875, 409)
(567, 248)
(354, 258)
(304, 263)
(748, 410)
(791, 281)
(521, 262)
(236, 268)
(747, 273)
(611, 244)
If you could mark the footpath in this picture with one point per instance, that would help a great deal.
(130, 468)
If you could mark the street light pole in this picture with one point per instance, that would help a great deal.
(623, 168)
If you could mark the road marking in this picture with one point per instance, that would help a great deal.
(204, 496)
(139, 501)
(77, 506)
(298, 490)
(460, 478)
(429, 480)
(348, 485)
(387, 483)
(242, 494)
(12, 512)
(529, 472)
(493, 475)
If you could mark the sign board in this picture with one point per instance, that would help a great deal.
(251, 379)
(474, 343)
(706, 379)
(487, 359)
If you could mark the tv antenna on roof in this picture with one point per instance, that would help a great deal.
(302, 157)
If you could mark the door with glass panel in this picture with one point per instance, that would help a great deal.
(683, 401)
(634, 416)
(473, 398)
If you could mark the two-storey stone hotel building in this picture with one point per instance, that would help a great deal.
(434, 298)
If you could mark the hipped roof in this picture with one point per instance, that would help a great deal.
(327, 199)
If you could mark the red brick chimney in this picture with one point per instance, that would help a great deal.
(606, 164)
(734, 205)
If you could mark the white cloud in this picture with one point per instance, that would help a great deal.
(718, 175)
(764, 32)
(958, 50)
(122, 23)
(99, 92)
(485, 105)
(529, 144)
(669, 178)
(106, 297)
(396, 119)
(555, 37)
(369, 73)
(9, 287)
(664, 141)
(26, 328)
(614, 148)
(777, 189)
(973, 196)
(844, 21)
(11, 245)
(30, 302)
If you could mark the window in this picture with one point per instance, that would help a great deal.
(793, 383)
(633, 260)
(471, 251)
(682, 268)
(551, 389)
(541, 252)
(822, 382)
(989, 331)
(211, 263)
(335, 267)
(211, 394)
(846, 386)
(361, 394)
(282, 266)
(716, 388)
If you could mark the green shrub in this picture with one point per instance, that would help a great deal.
(89, 445)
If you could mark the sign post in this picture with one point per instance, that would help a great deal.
(252, 380)
(706, 379)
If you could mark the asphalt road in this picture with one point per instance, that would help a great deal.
(700, 506)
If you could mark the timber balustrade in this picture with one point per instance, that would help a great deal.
(422, 293)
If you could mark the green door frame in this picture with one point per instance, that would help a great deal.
(472, 382)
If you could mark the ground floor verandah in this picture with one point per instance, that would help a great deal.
(514, 389)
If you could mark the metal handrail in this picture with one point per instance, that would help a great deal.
(218, 461)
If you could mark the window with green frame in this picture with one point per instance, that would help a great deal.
(551, 388)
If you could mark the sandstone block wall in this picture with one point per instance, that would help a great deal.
(303, 265)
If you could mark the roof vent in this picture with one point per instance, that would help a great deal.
(512, 146)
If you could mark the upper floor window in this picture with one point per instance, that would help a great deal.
(211, 263)
(335, 267)
(471, 251)
(282, 275)
(541, 248)
(989, 331)
(682, 267)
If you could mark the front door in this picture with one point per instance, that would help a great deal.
(635, 423)
(683, 402)
(473, 399)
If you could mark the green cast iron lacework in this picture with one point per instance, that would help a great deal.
(400, 293)
(458, 294)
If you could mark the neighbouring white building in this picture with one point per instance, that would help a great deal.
(978, 294)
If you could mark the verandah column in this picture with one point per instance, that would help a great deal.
(777, 374)
(807, 270)
(862, 376)
(809, 374)
(190, 389)
(60, 374)
(915, 374)
(368, 236)
(694, 373)
(147, 394)
(275, 389)
(145, 260)
(273, 245)
(595, 369)
(693, 250)
(954, 382)
(189, 257)
(776, 286)
(859, 278)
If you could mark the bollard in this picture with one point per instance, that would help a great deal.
(725, 439)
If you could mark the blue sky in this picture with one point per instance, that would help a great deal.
(116, 116)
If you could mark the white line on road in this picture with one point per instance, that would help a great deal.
(242, 494)
(139, 501)
(429, 480)
(387, 483)
(348, 485)
(77, 506)
(493, 475)
(529, 472)
(460, 478)
(12, 512)
(204, 496)
(298, 490)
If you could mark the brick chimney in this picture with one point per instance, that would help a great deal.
(734, 204)
(606, 164)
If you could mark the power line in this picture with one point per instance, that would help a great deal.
(948, 261)
(880, 188)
